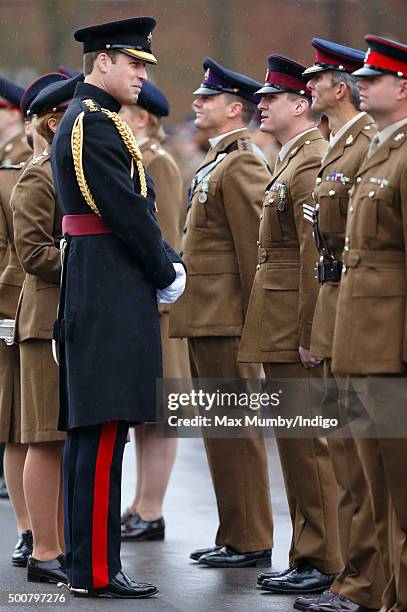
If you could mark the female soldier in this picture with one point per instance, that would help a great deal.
(155, 454)
(37, 231)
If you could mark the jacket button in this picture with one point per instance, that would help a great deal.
(258, 267)
(319, 180)
(371, 193)
(332, 192)
(261, 217)
(258, 243)
(346, 248)
(359, 179)
(347, 240)
(351, 209)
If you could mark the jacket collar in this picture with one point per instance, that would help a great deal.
(308, 137)
(393, 142)
(222, 145)
(348, 138)
(86, 90)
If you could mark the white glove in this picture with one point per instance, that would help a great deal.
(170, 294)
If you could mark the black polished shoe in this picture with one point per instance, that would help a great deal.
(197, 554)
(120, 587)
(303, 579)
(53, 570)
(341, 604)
(125, 516)
(23, 549)
(227, 557)
(3, 488)
(305, 603)
(137, 529)
(272, 574)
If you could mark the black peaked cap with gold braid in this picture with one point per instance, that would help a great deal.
(129, 36)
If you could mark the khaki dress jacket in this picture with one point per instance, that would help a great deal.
(220, 242)
(284, 293)
(370, 334)
(37, 231)
(334, 182)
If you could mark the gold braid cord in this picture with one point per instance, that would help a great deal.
(77, 149)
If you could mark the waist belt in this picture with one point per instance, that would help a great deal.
(282, 255)
(84, 225)
(354, 258)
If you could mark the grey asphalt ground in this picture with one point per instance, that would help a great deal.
(191, 520)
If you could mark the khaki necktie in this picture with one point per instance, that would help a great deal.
(374, 145)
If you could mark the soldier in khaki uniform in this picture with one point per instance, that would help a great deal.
(37, 232)
(155, 452)
(11, 281)
(220, 253)
(370, 332)
(278, 325)
(14, 148)
(335, 93)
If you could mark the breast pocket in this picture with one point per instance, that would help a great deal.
(372, 204)
(280, 309)
(204, 205)
(333, 201)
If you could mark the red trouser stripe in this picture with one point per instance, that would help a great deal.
(101, 504)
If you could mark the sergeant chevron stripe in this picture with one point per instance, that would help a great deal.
(308, 212)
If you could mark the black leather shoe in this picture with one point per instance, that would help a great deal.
(137, 529)
(272, 574)
(303, 579)
(197, 554)
(341, 604)
(3, 488)
(227, 557)
(305, 603)
(120, 587)
(23, 549)
(125, 516)
(53, 570)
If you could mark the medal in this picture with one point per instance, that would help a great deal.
(202, 197)
(282, 192)
(203, 194)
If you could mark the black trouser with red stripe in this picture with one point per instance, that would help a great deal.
(92, 488)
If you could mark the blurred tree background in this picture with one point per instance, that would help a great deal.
(36, 36)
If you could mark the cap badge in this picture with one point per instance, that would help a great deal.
(368, 52)
(149, 38)
(349, 140)
(267, 75)
(206, 75)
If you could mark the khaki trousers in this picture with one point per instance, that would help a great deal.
(238, 466)
(386, 403)
(310, 485)
(363, 578)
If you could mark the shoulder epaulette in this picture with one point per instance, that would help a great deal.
(156, 148)
(244, 144)
(90, 106)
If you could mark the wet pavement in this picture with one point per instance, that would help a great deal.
(191, 521)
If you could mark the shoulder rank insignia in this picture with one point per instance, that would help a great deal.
(244, 144)
(90, 106)
(399, 136)
(349, 140)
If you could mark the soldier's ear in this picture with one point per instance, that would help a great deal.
(403, 89)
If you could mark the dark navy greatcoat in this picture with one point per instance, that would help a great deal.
(110, 350)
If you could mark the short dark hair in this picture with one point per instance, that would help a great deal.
(311, 115)
(350, 82)
(248, 108)
(89, 59)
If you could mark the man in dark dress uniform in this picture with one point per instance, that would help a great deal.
(116, 265)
